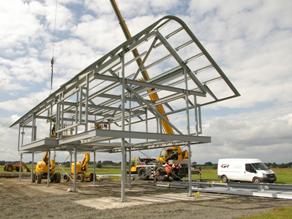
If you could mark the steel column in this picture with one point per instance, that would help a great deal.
(18, 140)
(86, 102)
(94, 166)
(130, 141)
(49, 166)
(146, 121)
(75, 170)
(20, 168)
(123, 164)
(32, 167)
(189, 131)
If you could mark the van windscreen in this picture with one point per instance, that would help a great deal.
(260, 166)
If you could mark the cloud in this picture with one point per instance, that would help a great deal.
(23, 103)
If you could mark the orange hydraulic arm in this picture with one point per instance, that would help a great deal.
(152, 94)
(85, 161)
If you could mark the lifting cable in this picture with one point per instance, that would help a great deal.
(53, 46)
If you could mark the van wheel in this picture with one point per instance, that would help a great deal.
(224, 179)
(256, 180)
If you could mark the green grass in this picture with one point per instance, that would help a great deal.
(106, 170)
(284, 175)
(277, 213)
(207, 174)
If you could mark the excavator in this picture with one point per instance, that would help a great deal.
(82, 166)
(41, 170)
(174, 153)
(81, 170)
(17, 166)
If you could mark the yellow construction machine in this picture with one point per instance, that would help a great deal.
(42, 169)
(81, 170)
(174, 153)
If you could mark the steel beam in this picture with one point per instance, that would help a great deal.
(132, 134)
(147, 84)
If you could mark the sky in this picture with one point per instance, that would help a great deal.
(250, 40)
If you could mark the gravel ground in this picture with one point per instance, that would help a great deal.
(26, 200)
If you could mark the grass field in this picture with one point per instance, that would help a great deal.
(284, 175)
(277, 213)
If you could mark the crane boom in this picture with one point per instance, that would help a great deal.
(151, 92)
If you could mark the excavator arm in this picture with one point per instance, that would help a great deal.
(85, 161)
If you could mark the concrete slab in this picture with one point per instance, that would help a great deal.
(115, 203)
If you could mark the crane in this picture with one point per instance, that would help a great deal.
(175, 152)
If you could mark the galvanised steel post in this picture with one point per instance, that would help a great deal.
(49, 166)
(130, 140)
(32, 166)
(146, 121)
(75, 170)
(20, 167)
(196, 115)
(94, 166)
(86, 103)
(62, 111)
(33, 128)
(80, 105)
(189, 132)
(76, 115)
(18, 140)
(130, 162)
(123, 164)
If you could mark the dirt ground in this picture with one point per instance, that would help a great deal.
(26, 200)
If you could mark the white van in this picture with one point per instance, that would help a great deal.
(250, 170)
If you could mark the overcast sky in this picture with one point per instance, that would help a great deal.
(251, 41)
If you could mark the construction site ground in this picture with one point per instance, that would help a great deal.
(22, 199)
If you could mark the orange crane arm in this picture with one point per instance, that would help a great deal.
(152, 94)
(85, 161)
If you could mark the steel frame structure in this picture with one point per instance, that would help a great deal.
(108, 92)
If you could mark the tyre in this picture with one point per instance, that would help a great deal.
(142, 174)
(80, 177)
(256, 180)
(57, 177)
(52, 178)
(39, 178)
(66, 178)
(9, 168)
(224, 179)
(91, 177)
(33, 178)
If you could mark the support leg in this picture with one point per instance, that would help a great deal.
(123, 170)
(94, 167)
(190, 170)
(49, 167)
(32, 167)
(75, 170)
(130, 162)
(20, 167)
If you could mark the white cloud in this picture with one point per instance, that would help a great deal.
(24, 103)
